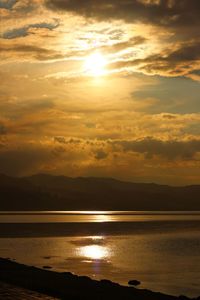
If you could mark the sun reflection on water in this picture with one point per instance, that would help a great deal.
(102, 218)
(96, 249)
(94, 252)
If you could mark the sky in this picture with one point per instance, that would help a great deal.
(101, 88)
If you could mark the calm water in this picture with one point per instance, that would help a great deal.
(162, 250)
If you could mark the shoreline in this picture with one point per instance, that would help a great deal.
(69, 286)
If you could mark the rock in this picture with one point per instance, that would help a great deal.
(134, 282)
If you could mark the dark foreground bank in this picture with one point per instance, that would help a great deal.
(13, 292)
(69, 286)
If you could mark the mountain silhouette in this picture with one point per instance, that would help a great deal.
(48, 192)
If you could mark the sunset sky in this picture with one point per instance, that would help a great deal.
(107, 88)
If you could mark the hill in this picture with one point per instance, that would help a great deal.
(48, 192)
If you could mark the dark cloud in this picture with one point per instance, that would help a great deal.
(18, 9)
(7, 4)
(63, 140)
(60, 139)
(196, 72)
(185, 150)
(24, 31)
(175, 62)
(100, 154)
(186, 53)
(171, 62)
(168, 13)
(169, 117)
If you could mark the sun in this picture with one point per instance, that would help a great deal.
(95, 65)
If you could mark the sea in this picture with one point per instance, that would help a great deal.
(160, 249)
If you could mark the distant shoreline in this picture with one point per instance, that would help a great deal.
(105, 212)
(55, 193)
(68, 286)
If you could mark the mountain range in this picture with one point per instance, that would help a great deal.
(48, 192)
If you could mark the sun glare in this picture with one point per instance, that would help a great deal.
(95, 64)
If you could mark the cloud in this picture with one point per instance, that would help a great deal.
(30, 51)
(23, 160)
(169, 62)
(147, 159)
(177, 21)
(173, 63)
(25, 31)
(171, 150)
(123, 124)
(195, 75)
(63, 140)
(20, 155)
(88, 144)
(7, 4)
(18, 9)
(100, 154)
(169, 116)
(134, 41)
(176, 54)
(168, 13)
(149, 147)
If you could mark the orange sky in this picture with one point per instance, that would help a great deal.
(101, 88)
